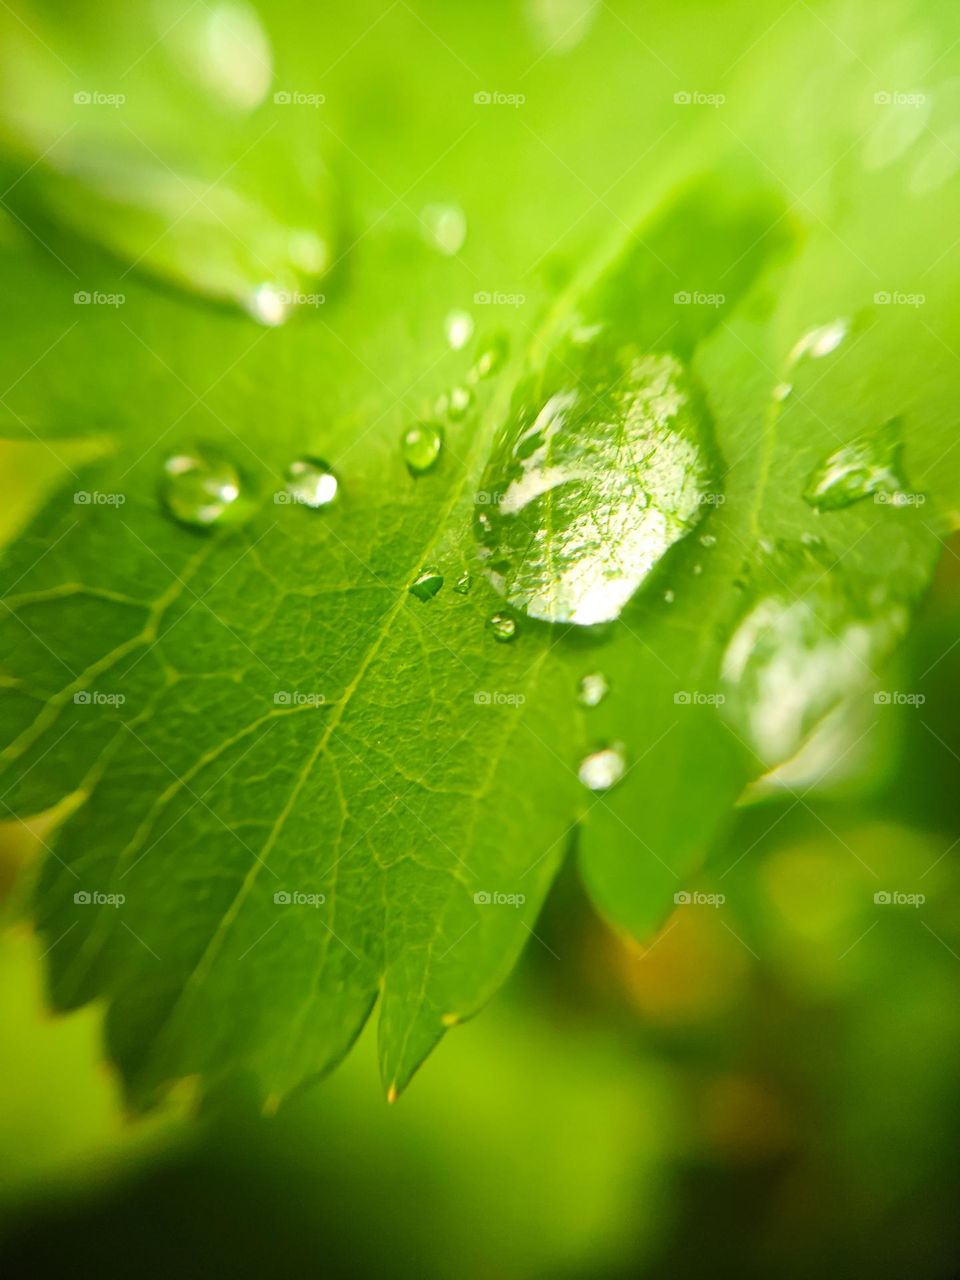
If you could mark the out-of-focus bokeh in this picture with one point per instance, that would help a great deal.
(766, 1088)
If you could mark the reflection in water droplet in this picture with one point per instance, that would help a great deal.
(199, 487)
(821, 341)
(203, 237)
(782, 390)
(224, 47)
(502, 627)
(898, 128)
(593, 689)
(603, 769)
(463, 583)
(866, 466)
(939, 163)
(802, 647)
(560, 25)
(444, 227)
(268, 305)
(492, 357)
(560, 536)
(421, 445)
(455, 404)
(312, 482)
(458, 328)
(427, 584)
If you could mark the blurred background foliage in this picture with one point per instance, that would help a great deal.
(768, 1087)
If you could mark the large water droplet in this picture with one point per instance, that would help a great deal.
(502, 627)
(867, 466)
(427, 583)
(312, 482)
(593, 689)
(200, 487)
(603, 769)
(463, 583)
(561, 535)
(421, 445)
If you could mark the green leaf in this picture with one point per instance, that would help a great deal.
(321, 789)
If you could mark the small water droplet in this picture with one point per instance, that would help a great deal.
(867, 466)
(708, 540)
(669, 597)
(312, 482)
(502, 627)
(421, 446)
(593, 689)
(426, 585)
(199, 487)
(821, 341)
(603, 769)
(458, 327)
(697, 569)
(463, 583)
(492, 357)
(782, 390)
(455, 404)
(444, 226)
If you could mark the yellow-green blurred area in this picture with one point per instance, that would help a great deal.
(768, 1086)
